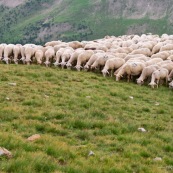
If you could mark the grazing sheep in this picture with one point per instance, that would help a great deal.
(39, 55)
(112, 64)
(161, 73)
(131, 69)
(29, 53)
(144, 51)
(164, 55)
(156, 48)
(171, 85)
(166, 47)
(49, 54)
(92, 60)
(74, 57)
(136, 56)
(170, 76)
(146, 72)
(100, 61)
(8, 52)
(2, 46)
(52, 43)
(83, 58)
(16, 53)
(153, 61)
(168, 66)
(75, 44)
(66, 56)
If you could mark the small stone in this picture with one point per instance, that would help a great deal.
(5, 152)
(12, 84)
(34, 137)
(91, 153)
(46, 96)
(131, 97)
(157, 104)
(7, 98)
(157, 159)
(141, 129)
(88, 97)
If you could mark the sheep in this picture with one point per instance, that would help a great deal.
(2, 46)
(111, 64)
(100, 61)
(59, 46)
(137, 57)
(166, 47)
(39, 55)
(146, 72)
(161, 73)
(92, 60)
(170, 76)
(144, 51)
(74, 57)
(168, 66)
(156, 48)
(53, 43)
(153, 61)
(83, 58)
(170, 58)
(16, 53)
(171, 85)
(164, 55)
(49, 54)
(29, 53)
(75, 44)
(164, 62)
(131, 69)
(66, 56)
(8, 52)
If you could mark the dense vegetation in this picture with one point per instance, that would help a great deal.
(42, 20)
(78, 112)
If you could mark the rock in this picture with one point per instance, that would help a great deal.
(5, 152)
(141, 129)
(91, 153)
(157, 159)
(88, 97)
(7, 98)
(46, 96)
(131, 97)
(12, 84)
(34, 137)
(157, 104)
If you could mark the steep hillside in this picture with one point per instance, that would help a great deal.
(42, 20)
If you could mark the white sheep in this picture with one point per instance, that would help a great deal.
(144, 51)
(153, 61)
(74, 57)
(8, 52)
(146, 73)
(2, 46)
(112, 64)
(164, 55)
(66, 56)
(83, 58)
(131, 69)
(49, 54)
(161, 73)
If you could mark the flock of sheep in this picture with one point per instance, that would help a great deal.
(148, 57)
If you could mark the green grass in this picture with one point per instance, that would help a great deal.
(75, 112)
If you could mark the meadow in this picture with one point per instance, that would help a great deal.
(78, 112)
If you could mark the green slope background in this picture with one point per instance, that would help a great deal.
(44, 20)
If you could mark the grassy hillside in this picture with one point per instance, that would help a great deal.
(78, 112)
(42, 20)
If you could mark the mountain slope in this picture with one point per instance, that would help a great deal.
(43, 20)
